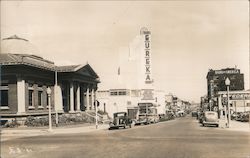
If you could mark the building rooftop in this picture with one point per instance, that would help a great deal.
(19, 51)
(26, 59)
(68, 68)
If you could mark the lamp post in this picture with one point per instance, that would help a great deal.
(96, 117)
(225, 109)
(227, 83)
(56, 92)
(49, 102)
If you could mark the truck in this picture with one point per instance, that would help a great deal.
(144, 113)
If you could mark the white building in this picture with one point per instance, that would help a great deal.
(134, 81)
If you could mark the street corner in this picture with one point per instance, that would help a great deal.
(234, 126)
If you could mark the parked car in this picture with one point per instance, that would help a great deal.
(211, 118)
(244, 117)
(240, 116)
(120, 120)
(235, 115)
(194, 113)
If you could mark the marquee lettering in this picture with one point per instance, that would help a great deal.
(147, 44)
(147, 37)
(147, 59)
(147, 69)
(148, 78)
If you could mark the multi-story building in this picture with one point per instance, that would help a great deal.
(216, 87)
(216, 81)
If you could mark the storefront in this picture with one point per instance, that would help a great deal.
(239, 101)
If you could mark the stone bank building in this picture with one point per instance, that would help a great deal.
(25, 78)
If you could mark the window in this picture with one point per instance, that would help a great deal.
(40, 93)
(119, 92)
(122, 93)
(4, 97)
(31, 98)
(113, 93)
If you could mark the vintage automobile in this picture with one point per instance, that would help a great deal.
(194, 114)
(120, 119)
(147, 113)
(210, 118)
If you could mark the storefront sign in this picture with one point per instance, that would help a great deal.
(238, 96)
(234, 71)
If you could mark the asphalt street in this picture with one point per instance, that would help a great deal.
(179, 138)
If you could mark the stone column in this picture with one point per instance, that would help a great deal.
(82, 96)
(87, 99)
(78, 98)
(92, 99)
(71, 97)
(20, 96)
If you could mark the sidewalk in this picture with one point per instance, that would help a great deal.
(7, 134)
(238, 126)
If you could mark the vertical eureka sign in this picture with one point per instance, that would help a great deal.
(147, 91)
(147, 46)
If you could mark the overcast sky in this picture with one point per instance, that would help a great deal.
(188, 37)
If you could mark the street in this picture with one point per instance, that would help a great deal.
(179, 138)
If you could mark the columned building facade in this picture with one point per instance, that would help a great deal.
(78, 85)
(26, 77)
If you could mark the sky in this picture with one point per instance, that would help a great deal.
(188, 37)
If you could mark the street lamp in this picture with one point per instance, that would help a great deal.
(227, 83)
(96, 117)
(49, 102)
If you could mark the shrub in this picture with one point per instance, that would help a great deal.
(32, 121)
(12, 124)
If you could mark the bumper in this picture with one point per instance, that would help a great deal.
(210, 123)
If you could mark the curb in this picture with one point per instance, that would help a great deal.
(14, 134)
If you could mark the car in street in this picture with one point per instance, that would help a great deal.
(194, 113)
(210, 118)
(120, 119)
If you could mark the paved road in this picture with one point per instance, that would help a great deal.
(180, 138)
